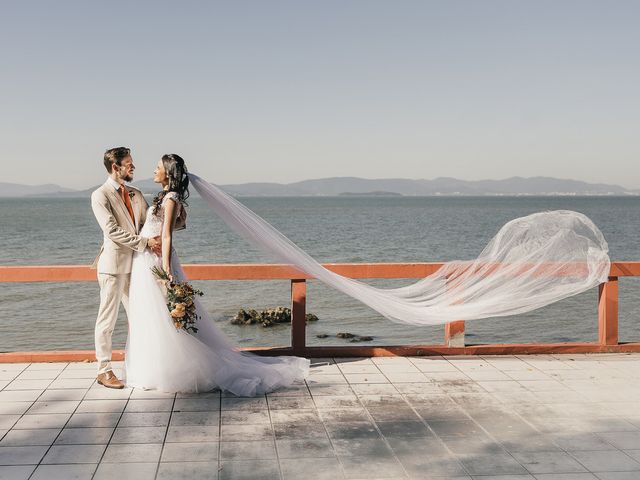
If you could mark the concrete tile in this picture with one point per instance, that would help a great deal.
(395, 414)
(16, 472)
(150, 405)
(249, 470)
(101, 406)
(358, 447)
(20, 395)
(374, 389)
(199, 418)
(190, 452)
(85, 436)
(344, 415)
(354, 430)
(82, 420)
(130, 470)
(8, 421)
(151, 419)
(62, 406)
(103, 393)
(139, 394)
(59, 454)
(322, 468)
(253, 450)
(136, 453)
(254, 418)
(366, 378)
(62, 395)
(372, 467)
(27, 385)
(581, 441)
(246, 432)
(492, 464)
(329, 389)
(72, 383)
(251, 404)
(50, 420)
(438, 466)
(37, 375)
(288, 416)
(197, 404)
(606, 461)
(404, 429)
(622, 440)
(139, 435)
(190, 470)
(564, 476)
(59, 366)
(30, 455)
(305, 448)
(64, 472)
(336, 402)
(22, 438)
(277, 403)
(14, 408)
(548, 462)
(193, 433)
(290, 431)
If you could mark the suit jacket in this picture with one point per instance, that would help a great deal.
(121, 235)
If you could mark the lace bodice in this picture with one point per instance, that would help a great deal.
(153, 223)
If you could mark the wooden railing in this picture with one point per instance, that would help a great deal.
(453, 333)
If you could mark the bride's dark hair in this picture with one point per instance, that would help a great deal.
(176, 172)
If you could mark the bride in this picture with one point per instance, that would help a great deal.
(160, 356)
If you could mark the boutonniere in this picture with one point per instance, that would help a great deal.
(131, 194)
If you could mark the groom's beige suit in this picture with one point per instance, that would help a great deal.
(121, 239)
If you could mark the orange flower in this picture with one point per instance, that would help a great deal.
(178, 311)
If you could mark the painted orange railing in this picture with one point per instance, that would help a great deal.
(454, 331)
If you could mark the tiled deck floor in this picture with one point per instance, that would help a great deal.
(569, 417)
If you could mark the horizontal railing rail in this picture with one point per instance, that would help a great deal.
(453, 344)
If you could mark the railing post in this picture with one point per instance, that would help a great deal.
(454, 331)
(608, 312)
(454, 334)
(298, 314)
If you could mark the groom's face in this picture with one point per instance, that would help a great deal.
(126, 168)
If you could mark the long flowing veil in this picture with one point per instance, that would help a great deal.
(531, 262)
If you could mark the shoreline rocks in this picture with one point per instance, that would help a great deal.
(268, 317)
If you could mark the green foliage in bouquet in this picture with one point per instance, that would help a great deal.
(180, 302)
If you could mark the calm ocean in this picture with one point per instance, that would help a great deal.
(47, 316)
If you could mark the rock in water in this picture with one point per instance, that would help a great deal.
(345, 335)
(310, 317)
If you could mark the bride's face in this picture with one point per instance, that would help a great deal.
(160, 174)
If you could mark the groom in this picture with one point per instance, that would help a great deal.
(120, 212)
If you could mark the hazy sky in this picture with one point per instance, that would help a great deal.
(289, 90)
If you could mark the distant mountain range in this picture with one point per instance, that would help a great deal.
(354, 186)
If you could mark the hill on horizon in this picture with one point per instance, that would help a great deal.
(341, 186)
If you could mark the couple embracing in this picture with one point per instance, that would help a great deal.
(138, 238)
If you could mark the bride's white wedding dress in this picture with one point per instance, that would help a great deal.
(159, 356)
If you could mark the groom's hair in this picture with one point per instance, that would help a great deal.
(115, 155)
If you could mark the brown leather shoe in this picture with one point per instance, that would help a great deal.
(109, 380)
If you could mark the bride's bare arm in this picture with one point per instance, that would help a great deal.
(170, 215)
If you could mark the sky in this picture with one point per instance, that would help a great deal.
(281, 91)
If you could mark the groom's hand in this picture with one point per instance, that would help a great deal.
(155, 245)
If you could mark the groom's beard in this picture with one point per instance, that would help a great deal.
(127, 178)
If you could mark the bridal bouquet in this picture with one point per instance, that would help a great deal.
(180, 303)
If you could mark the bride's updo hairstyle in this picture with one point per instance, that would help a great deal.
(176, 172)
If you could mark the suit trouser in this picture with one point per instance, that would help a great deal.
(114, 288)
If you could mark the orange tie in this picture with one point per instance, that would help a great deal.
(127, 201)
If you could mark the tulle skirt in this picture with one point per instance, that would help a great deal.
(160, 357)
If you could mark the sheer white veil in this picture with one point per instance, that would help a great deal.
(531, 262)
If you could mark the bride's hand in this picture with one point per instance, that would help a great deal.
(167, 269)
